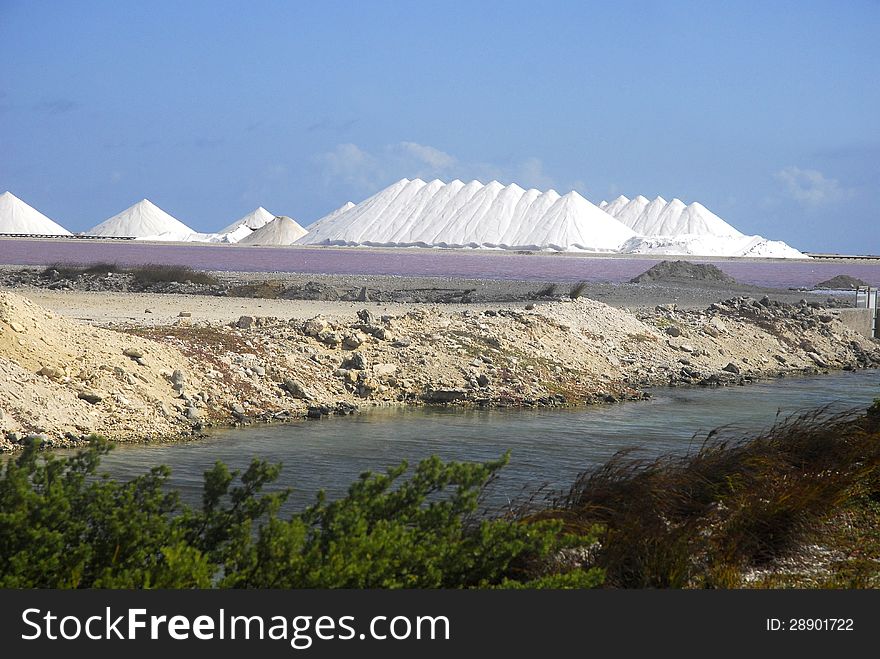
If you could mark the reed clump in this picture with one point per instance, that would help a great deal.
(737, 503)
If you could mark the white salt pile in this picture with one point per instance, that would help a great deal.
(259, 217)
(671, 227)
(282, 230)
(17, 217)
(143, 220)
(661, 218)
(415, 213)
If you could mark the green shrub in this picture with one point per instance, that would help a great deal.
(63, 526)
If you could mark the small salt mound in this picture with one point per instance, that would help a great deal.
(701, 245)
(17, 217)
(259, 217)
(455, 214)
(280, 231)
(144, 219)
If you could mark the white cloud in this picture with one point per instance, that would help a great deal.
(811, 187)
(426, 154)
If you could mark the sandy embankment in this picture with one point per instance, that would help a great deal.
(64, 378)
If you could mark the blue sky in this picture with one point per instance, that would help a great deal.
(766, 112)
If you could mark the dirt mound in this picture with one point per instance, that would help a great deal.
(842, 283)
(64, 378)
(678, 271)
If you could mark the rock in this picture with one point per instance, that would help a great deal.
(817, 359)
(184, 314)
(711, 331)
(353, 341)
(366, 317)
(355, 361)
(148, 311)
(331, 339)
(363, 295)
(686, 347)
(718, 324)
(384, 370)
(530, 307)
(296, 390)
(140, 361)
(192, 413)
(673, 330)
(731, 368)
(237, 410)
(133, 353)
(315, 326)
(90, 397)
(16, 327)
(51, 372)
(483, 380)
(259, 371)
(245, 322)
(314, 413)
(444, 395)
(178, 377)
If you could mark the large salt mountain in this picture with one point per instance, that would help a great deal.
(143, 220)
(669, 218)
(671, 227)
(17, 217)
(415, 213)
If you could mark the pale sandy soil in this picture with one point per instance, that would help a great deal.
(105, 307)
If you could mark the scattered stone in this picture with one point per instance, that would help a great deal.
(296, 390)
(51, 372)
(16, 327)
(673, 330)
(184, 314)
(133, 353)
(315, 326)
(356, 361)
(90, 397)
(353, 341)
(731, 368)
(366, 317)
(444, 395)
(245, 322)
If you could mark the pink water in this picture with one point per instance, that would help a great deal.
(411, 262)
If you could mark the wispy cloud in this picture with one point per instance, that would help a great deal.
(367, 171)
(811, 187)
(55, 106)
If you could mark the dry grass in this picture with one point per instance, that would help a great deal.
(701, 520)
(153, 273)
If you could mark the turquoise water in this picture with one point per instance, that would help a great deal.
(548, 447)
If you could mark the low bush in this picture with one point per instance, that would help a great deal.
(63, 526)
